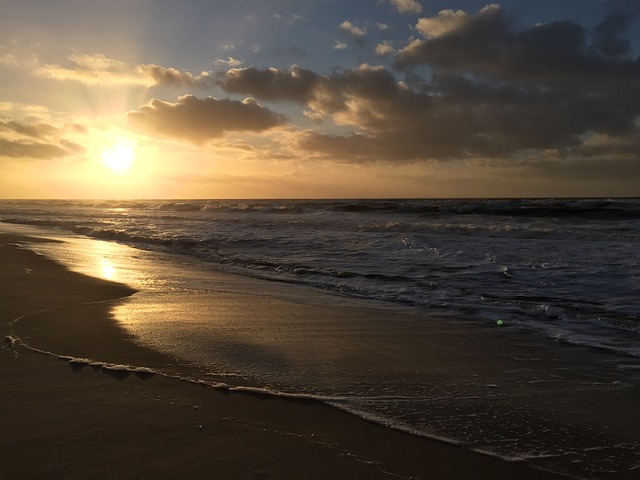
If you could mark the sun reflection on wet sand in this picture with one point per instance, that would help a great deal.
(108, 271)
(101, 259)
(96, 258)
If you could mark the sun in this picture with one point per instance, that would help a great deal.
(119, 157)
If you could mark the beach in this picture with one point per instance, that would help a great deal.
(394, 239)
(62, 418)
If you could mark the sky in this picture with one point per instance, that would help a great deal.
(319, 99)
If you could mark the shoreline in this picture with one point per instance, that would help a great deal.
(72, 420)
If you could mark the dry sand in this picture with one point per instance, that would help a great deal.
(63, 420)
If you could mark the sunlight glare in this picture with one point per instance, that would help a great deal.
(119, 157)
(107, 269)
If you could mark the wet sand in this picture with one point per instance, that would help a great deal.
(61, 419)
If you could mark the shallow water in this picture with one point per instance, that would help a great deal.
(526, 389)
(569, 268)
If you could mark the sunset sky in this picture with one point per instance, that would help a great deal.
(319, 98)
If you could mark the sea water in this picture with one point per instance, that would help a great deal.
(501, 325)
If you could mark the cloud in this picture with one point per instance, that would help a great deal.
(548, 86)
(271, 84)
(15, 107)
(200, 120)
(446, 21)
(34, 140)
(365, 96)
(353, 31)
(487, 44)
(385, 48)
(288, 19)
(100, 70)
(407, 6)
(8, 58)
(38, 130)
(95, 69)
(229, 62)
(231, 45)
(451, 116)
(340, 45)
(609, 35)
(168, 76)
(33, 150)
(476, 88)
(622, 148)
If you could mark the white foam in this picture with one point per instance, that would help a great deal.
(276, 393)
(75, 360)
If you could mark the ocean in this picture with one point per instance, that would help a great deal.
(508, 326)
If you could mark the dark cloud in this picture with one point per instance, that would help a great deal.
(608, 35)
(488, 44)
(168, 76)
(621, 147)
(38, 130)
(453, 116)
(271, 84)
(491, 91)
(35, 150)
(199, 120)
(37, 141)
(328, 94)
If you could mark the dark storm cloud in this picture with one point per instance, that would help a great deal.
(199, 120)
